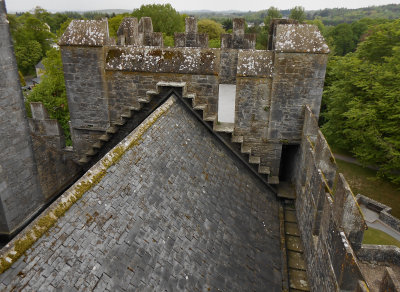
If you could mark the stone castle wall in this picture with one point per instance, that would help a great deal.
(104, 82)
(20, 191)
(331, 222)
(54, 161)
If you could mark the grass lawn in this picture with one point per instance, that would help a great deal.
(364, 181)
(375, 236)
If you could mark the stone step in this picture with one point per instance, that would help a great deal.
(200, 107)
(290, 216)
(210, 118)
(263, 169)
(91, 152)
(151, 92)
(223, 127)
(286, 190)
(296, 260)
(119, 123)
(105, 138)
(273, 180)
(245, 149)
(292, 229)
(190, 95)
(237, 139)
(254, 159)
(135, 108)
(298, 280)
(294, 243)
(83, 160)
(97, 145)
(127, 115)
(112, 130)
(143, 100)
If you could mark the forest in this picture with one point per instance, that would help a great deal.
(361, 100)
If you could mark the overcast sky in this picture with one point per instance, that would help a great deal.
(243, 5)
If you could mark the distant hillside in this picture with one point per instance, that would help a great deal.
(328, 16)
(340, 15)
(103, 11)
(111, 11)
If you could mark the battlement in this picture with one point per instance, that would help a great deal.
(273, 85)
(191, 38)
(238, 39)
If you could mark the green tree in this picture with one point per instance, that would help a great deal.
(362, 98)
(63, 27)
(343, 39)
(210, 27)
(114, 23)
(32, 39)
(263, 35)
(164, 17)
(227, 24)
(28, 55)
(51, 91)
(380, 42)
(272, 13)
(168, 40)
(297, 13)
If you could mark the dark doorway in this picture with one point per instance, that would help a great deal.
(287, 161)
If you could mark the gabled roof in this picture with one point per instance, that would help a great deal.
(169, 208)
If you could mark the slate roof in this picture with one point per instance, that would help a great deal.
(178, 212)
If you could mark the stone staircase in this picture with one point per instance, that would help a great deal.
(228, 128)
(114, 128)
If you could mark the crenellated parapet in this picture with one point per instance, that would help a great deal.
(104, 82)
(238, 39)
(134, 33)
(191, 38)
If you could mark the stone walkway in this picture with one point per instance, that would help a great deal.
(176, 213)
(372, 220)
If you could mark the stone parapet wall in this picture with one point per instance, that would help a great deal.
(330, 220)
(55, 163)
(126, 88)
(271, 87)
(163, 60)
(382, 209)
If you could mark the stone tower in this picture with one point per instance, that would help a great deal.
(20, 191)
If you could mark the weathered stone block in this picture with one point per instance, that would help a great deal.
(128, 32)
(348, 213)
(299, 38)
(167, 60)
(255, 64)
(92, 33)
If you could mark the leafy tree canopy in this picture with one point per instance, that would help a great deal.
(272, 13)
(210, 27)
(297, 13)
(51, 91)
(164, 17)
(362, 98)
